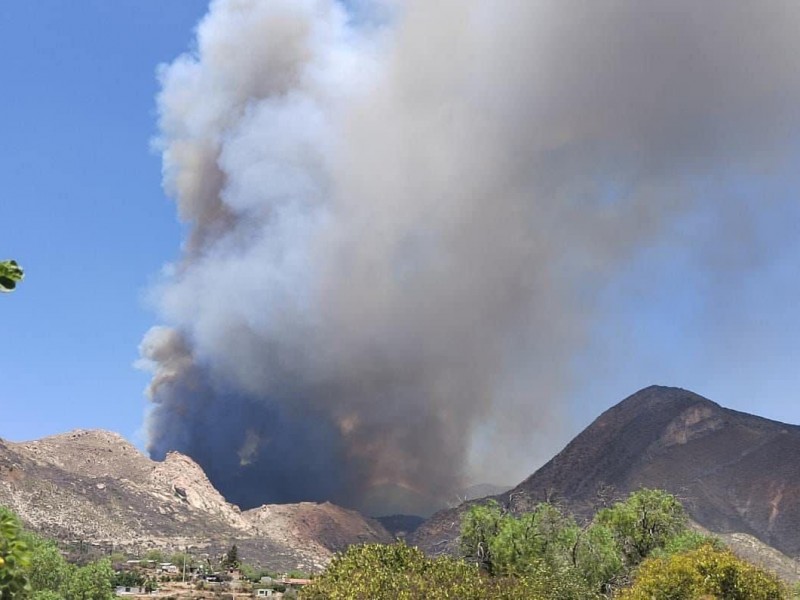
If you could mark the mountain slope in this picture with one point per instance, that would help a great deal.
(96, 488)
(733, 471)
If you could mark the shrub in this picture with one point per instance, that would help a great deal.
(704, 572)
(14, 558)
(393, 572)
(647, 520)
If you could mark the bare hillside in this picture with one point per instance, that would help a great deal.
(95, 487)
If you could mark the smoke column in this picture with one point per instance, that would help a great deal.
(399, 214)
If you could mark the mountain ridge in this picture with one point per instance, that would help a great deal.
(96, 487)
(735, 473)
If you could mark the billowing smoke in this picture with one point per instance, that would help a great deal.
(399, 215)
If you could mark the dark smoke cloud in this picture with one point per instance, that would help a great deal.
(398, 225)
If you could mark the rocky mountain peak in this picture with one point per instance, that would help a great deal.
(734, 472)
(88, 453)
(188, 483)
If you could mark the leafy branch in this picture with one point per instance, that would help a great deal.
(10, 274)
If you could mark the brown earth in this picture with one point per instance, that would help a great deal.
(95, 489)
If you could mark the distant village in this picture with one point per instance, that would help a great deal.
(152, 578)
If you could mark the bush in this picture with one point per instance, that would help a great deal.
(47, 595)
(704, 572)
(14, 558)
(646, 521)
(92, 582)
(128, 579)
(398, 572)
(393, 572)
(547, 548)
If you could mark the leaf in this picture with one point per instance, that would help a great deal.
(10, 274)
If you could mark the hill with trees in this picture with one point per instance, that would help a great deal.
(636, 549)
(735, 473)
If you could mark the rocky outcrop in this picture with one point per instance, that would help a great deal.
(95, 488)
(325, 527)
(186, 481)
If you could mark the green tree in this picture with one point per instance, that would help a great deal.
(480, 526)
(687, 541)
(544, 535)
(14, 558)
(10, 274)
(231, 560)
(184, 561)
(398, 572)
(544, 550)
(394, 572)
(647, 520)
(46, 595)
(92, 582)
(48, 570)
(706, 572)
(251, 572)
(596, 557)
(545, 545)
(155, 555)
(128, 579)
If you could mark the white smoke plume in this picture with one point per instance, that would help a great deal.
(400, 213)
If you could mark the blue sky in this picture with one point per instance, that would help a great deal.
(84, 213)
(82, 205)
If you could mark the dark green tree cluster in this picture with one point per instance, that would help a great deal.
(129, 579)
(634, 550)
(543, 545)
(37, 569)
(648, 520)
(231, 558)
(399, 572)
(637, 549)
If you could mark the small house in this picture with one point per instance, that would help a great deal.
(122, 590)
(168, 568)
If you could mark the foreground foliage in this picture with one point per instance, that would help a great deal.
(638, 549)
(10, 274)
(33, 567)
(593, 559)
(398, 572)
(14, 559)
(648, 520)
(706, 572)
(542, 545)
(375, 571)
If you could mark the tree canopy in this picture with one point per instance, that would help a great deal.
(600, 558)
(646, 521)
(640, 548)
(706, 572)
(399, 572)
(33, 567)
